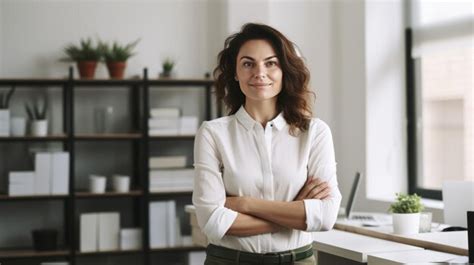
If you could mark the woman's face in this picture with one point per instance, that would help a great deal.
(258, 71)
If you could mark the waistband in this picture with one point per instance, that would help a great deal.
(284, 257)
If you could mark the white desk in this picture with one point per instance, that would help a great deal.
(352, 247)
(412, 257)
(449, 242)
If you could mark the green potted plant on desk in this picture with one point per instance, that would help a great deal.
(116, 56)
(37, 115)
(86, 55)
(5, 111)
(406, 214)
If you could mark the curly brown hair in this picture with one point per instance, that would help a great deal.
(294, 100)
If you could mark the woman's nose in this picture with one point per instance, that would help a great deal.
(260, 71)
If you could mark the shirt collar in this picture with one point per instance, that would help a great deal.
(248, 122)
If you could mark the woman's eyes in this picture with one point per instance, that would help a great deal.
(267, 64)
(247, 64)
(271, 63)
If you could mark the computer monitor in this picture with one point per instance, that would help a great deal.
(352, 195)
(470, 235)
(458, 198)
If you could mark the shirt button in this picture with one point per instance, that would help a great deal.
(271, 125)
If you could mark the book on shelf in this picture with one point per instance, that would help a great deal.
(43, 173)
(165, 112)
(158, 162)
(109, 231)
(163, 132)
(164, 226)
(21, 183)
(171, 180)
(173, 173)
(185, 125)
(99, 231)
(51, 176)
(188, 125)
(60, 173)
(130, 238)
(88, 232)
(170, 123)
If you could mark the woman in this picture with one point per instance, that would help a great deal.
(265, 174)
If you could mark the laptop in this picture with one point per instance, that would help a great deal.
(366, 219)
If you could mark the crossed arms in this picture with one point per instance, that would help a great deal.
(258, 216)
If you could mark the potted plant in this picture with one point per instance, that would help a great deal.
(406, 214)
(85, 55)
(37, 115)
(116, 56)
(5, 111)
(167, 66)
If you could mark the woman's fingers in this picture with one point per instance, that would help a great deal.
(311, 188)
(304, 191)
(320, 192)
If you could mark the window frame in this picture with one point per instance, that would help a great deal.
(411, 106)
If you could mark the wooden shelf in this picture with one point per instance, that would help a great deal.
(170, 193)
(107, 136)
(79, 83)
(18, 82)
(172, 137)
(180, 82)
(107, 82)
(30, 253)
(6, 197)
(110, 252)
(179, 248)
(56, 137)
(109, 194)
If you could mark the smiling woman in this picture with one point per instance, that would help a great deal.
(266, 174)
(258, 73)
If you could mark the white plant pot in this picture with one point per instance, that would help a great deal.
(39, 128)
(4, 122)
(97, 184)
(406, 223)
(121, 183)
(18, 126)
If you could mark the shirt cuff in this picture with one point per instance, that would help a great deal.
(314, 215)
(219, 222)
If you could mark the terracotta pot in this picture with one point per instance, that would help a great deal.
(116, 69)
(86, 69)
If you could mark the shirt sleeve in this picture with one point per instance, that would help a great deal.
(209, 193)
(322, 214)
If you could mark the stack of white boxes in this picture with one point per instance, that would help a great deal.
(51, 176)
(101, 232)
(164, 121)
(164, 226)
(168, 174)
(168, 121)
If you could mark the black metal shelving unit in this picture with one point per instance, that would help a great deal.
(140, 140)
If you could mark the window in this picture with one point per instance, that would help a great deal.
(440, 94)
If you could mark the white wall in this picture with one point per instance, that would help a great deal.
(349, 104)
(308, 25)
(385, 99)
(35, 32)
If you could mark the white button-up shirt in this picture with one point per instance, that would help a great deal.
(236, 156)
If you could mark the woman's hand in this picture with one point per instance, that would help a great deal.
(313, 188)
